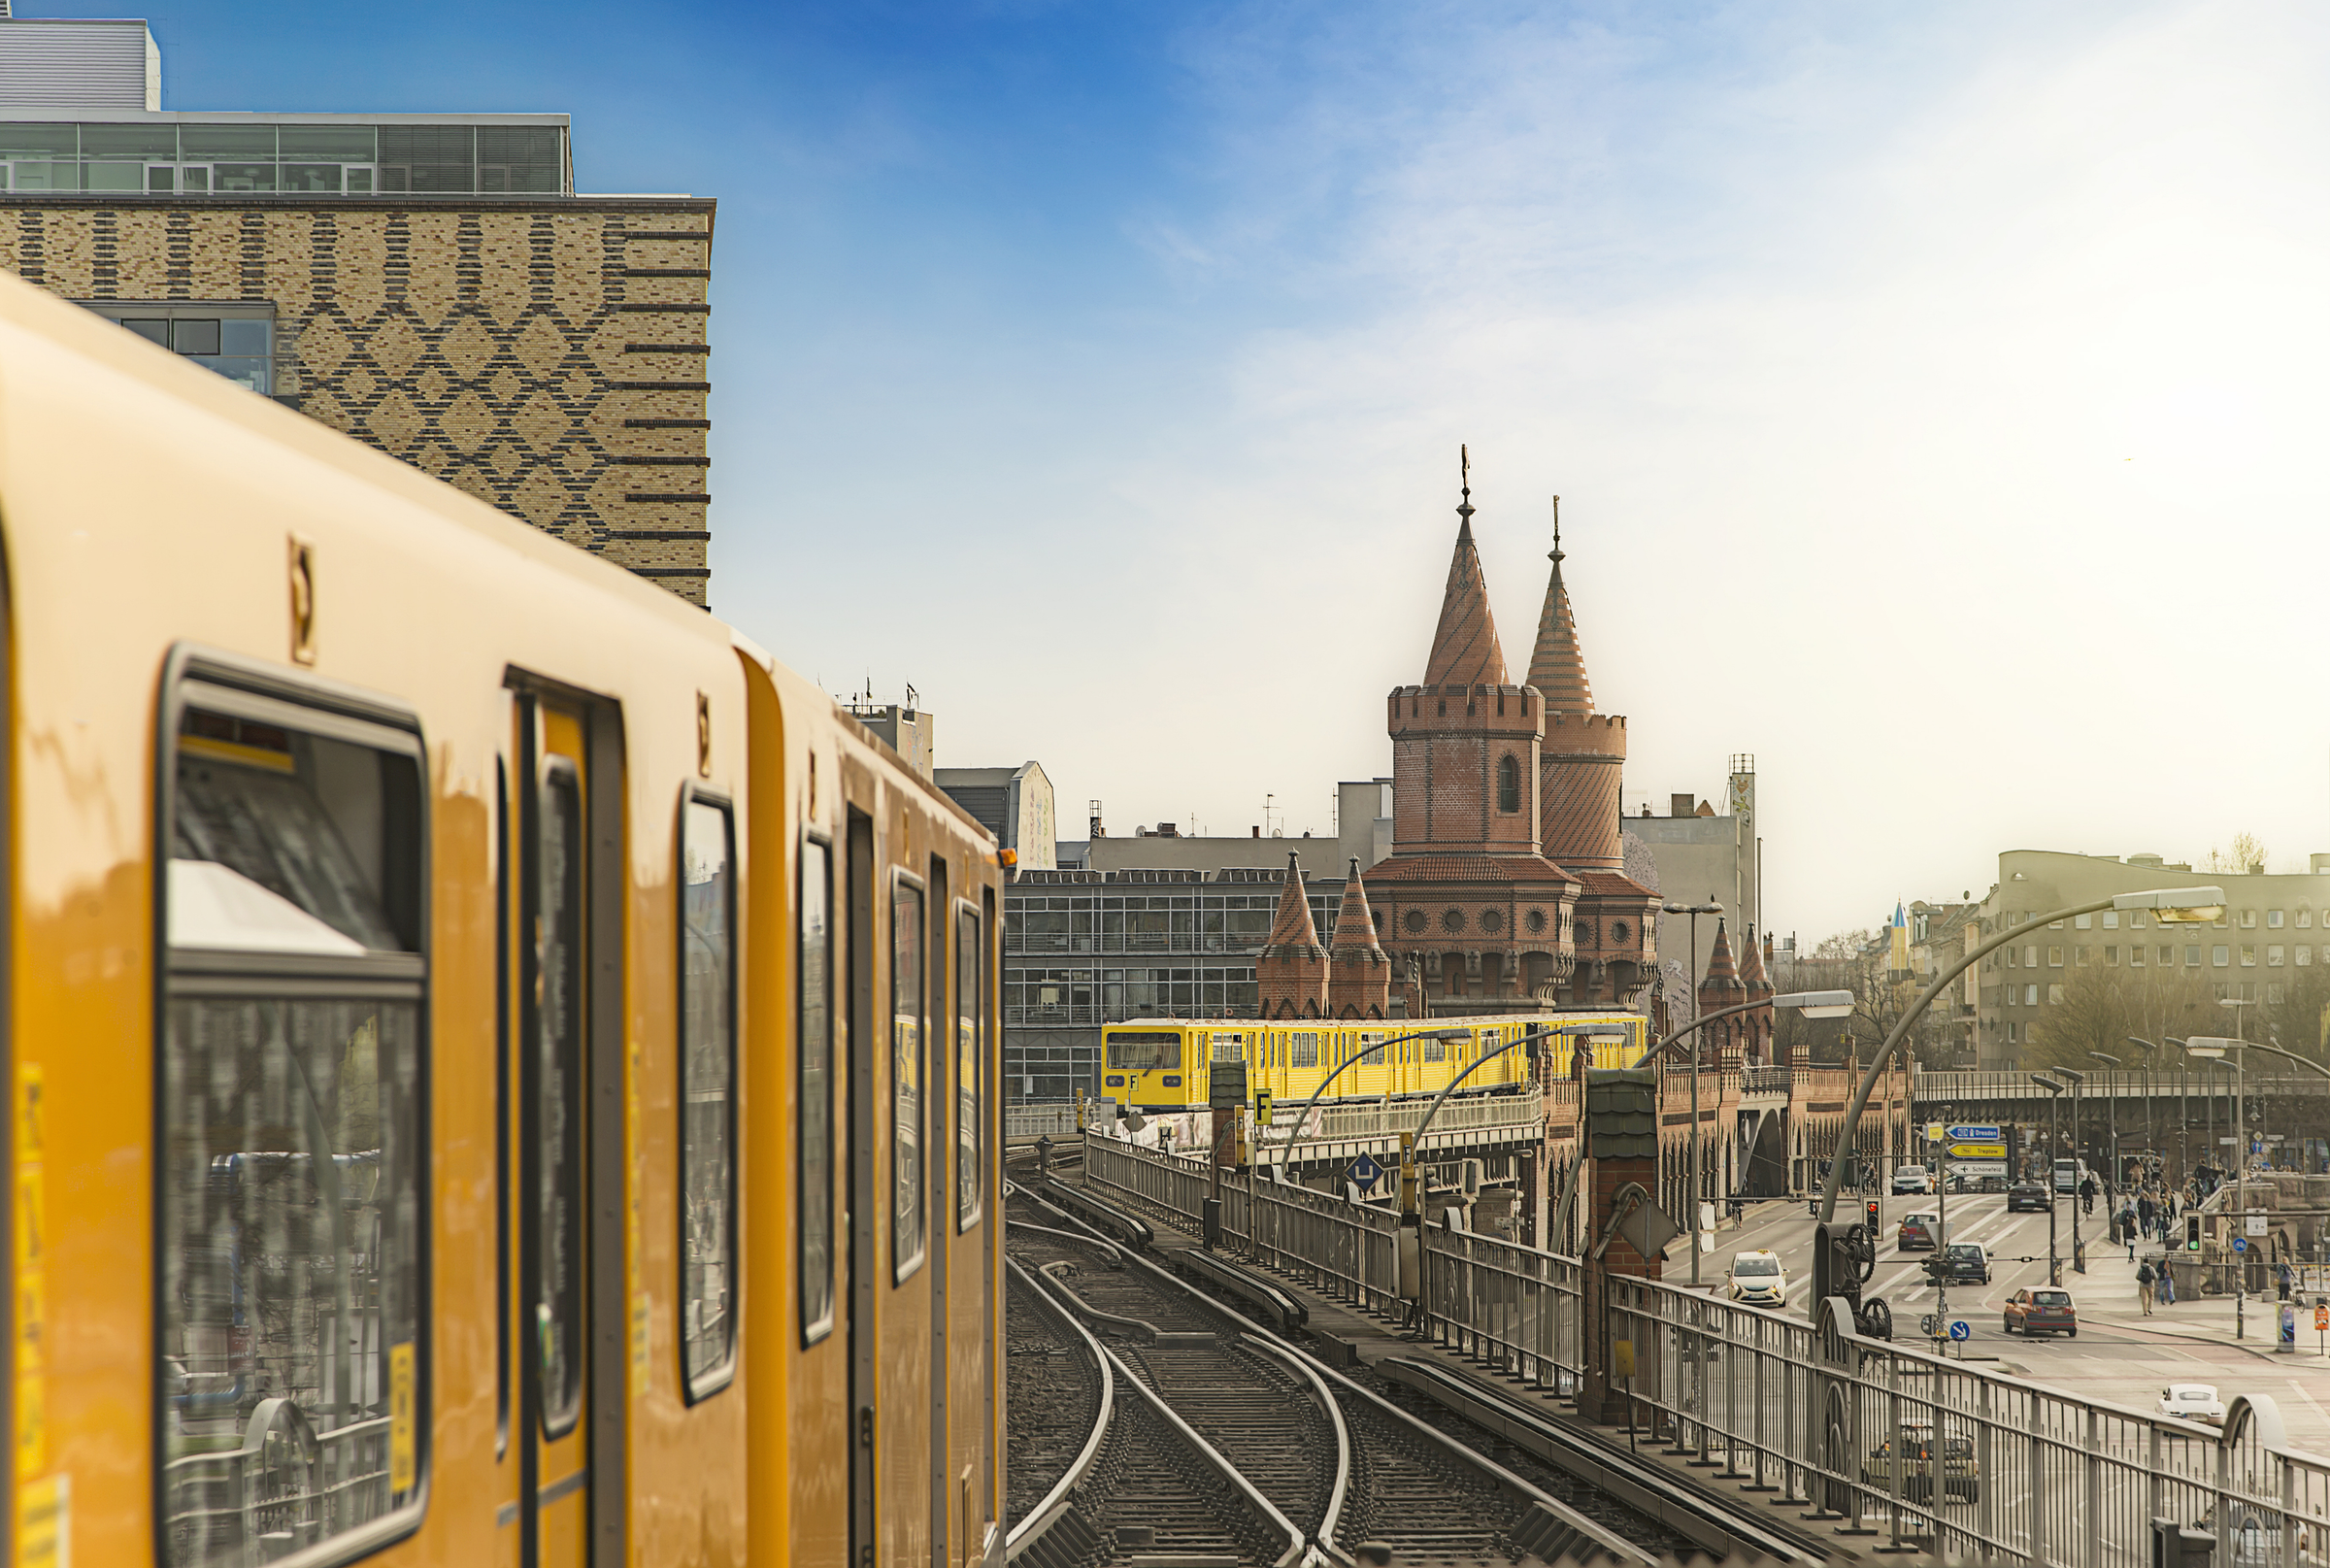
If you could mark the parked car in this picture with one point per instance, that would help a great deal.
(1961, 1475)
(2044, 1310)
(2194, 1401)
(1920, 1232)
(2027, 1195)
(1911, 1178)
(1990, 1183)
(1757, 1280)
(1959, 1263)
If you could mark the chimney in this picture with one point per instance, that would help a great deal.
(1681, 804)
(1257, 832)
(1098, 831)
(1168, 831)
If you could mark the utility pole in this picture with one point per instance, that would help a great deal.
(2054, 1127)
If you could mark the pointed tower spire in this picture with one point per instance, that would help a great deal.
(1721, 987)
(1464, 649)
(1359, 973)
(1556, 668)
(1751, 973)
(1290, 972)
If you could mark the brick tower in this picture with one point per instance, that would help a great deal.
(1476, 919)
(1580, 765)
(1756, 1043)
(1290, 973)
(1721, 987)
(1359, 979)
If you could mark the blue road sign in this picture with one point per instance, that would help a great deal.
(1364, 1171)
(1973, 1134)
(1960, 1328)
(2241, 1244)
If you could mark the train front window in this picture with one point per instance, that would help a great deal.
(1143, 1050)
(707, 1078)
(291, 1384)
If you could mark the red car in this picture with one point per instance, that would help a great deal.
(2043, 1312)
(1918, 1230)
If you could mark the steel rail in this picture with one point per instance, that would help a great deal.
(1055, 1502)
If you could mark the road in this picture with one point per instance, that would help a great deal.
(2111, 1359)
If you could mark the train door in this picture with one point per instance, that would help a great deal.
(859, 1102)
(569, 1194)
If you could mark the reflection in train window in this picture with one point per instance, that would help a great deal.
(969, 1073)
(554, 1094)
(707, 1078)
(291, 1385)
(816, 1090)
(906, 1077)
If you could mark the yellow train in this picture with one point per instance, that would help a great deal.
(1160, 1066)
(501, 1072)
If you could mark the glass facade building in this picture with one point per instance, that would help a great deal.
(194, 154)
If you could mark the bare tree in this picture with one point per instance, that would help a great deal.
(2099, 1007)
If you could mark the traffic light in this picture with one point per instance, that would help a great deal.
(1874, 1220)
(2192, 1233)
(1263, 1107)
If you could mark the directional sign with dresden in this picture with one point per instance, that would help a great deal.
(1973, 1135)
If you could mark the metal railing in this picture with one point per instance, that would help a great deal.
(1765, 1080)
(1350, 1252)
(1947, 1087)
(1516, 1309)
(1380, 1120)
(1956, 1459)
(1033, 1118)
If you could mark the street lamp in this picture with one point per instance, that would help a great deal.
(2079, 1253)
(1694, 911)
(2113, 1179)
(2054, 1090)
(2169, 905)
(1811, 1004)
(2151, 1151)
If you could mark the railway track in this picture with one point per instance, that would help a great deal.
(1342, 1464)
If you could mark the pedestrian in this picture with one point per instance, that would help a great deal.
(2127, 1228)
(2167, 1286)
(2282, 1280)
(2144, 1212)
(2145, 1280)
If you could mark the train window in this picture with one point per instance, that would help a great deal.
(1305, 1049)
(1145, 1050)
(1373, 1044)
(1435, 1050)
(815, 1107)
(291, 1212)
(1229, 1047)
(970, 1068)
(707, 1091)
(906, 1077)
(555, 1092)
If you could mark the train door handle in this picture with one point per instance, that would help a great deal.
(865, 1427)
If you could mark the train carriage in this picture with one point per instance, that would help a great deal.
(501, 1071)
(1163, 1065)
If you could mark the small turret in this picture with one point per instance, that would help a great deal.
(1360, 975)
(1291, 973)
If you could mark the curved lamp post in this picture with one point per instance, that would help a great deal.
(2213, 1050)
(2079, 1085)
(1811, 1004)
(2151, 1151)
(2112, 1182)
(2171, 905)
(2055, 1095)
(1294, 1128)
(1694, 911)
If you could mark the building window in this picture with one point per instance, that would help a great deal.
(1414, 920)
(1451, 919)
(2304, 957)
(2135, 920)
(2248, 920)
(2305, 918)
(2273, 995)
(2193, 954)
(1535, 920)
(1491, 921)
(2030, 955)
(2084, 922)
(2054, 957)
(1617, 933)
(237, 341)
(2248, 955)
(2030, 997)
(2219, 956)
(2136, 956)
(2111, 957)
(2054, 996)
(1509, 784)
(2273, 919)
(2110, 919)
(1582, 933)
(2013, 960)
(2272, 957)
(2081, 958)
(2011, 1036)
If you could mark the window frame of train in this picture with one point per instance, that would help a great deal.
(701, 1379)
(284, 754)
(970, 1066)
(812, 1101)
(910, 1046)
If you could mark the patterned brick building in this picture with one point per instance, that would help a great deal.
(1505, 890)
(429, 285)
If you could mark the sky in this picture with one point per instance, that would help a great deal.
(1927, 389)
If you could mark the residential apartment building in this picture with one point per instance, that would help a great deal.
(431, 284)
(2271, 948)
